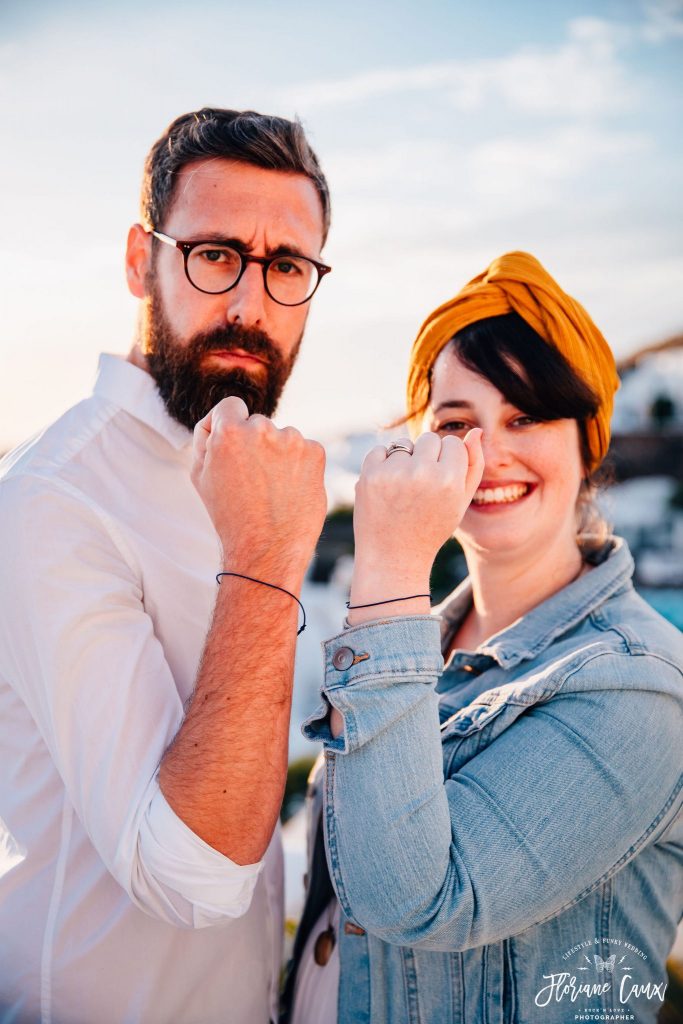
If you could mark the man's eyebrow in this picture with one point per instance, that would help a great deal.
(216, 236)
(287, 250)
(242, 246)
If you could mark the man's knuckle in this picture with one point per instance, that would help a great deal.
(317, 450)
(291, 435)
(232, 402)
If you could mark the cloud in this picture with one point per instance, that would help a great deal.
(458, 185)
(583, 76)
(663, 20)
(532, 171)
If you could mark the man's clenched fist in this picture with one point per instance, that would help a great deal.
(263, 488)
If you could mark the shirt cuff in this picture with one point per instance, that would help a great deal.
(176, 857)
(362, 663)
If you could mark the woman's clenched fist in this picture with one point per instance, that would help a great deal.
(406, 507)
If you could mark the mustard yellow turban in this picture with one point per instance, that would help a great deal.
(516, 282)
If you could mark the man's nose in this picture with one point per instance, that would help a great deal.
(246, 301)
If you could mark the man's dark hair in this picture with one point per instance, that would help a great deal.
(242, 135)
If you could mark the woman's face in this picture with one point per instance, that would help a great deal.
(532, 470)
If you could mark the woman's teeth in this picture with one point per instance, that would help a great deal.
(499, 495)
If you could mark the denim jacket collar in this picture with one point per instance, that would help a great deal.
(536, 630)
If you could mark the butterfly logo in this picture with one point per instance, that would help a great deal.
(605, 965)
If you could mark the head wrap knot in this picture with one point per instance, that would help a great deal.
(516, 282)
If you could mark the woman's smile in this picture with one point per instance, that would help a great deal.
(495, 496)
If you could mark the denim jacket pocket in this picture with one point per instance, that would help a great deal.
(472, 718)
(467, 731)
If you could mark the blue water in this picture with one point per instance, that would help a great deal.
(667, 601)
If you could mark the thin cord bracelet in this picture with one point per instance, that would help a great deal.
(388, 600)
(272, 586)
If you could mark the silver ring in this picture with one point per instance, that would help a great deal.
(404, 444)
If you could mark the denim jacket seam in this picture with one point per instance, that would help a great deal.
(606, 908)
(621, 654)
(632, 645)
(330, 837)
(373, 624)
(553, 685)
(551, 688)
(623, 860)
(350, 733)
(661, 657)
(667, 826)
(577, 616)
(372, 677)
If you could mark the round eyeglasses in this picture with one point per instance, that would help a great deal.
(214, 267)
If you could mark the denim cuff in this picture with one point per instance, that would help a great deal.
(362, 663)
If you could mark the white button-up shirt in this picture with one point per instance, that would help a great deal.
(111, 908)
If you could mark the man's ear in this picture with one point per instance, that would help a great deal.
(138, 260)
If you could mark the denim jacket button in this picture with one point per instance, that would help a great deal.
(353, 929)
(343, 658)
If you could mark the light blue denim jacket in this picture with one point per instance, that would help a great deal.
(505, 834)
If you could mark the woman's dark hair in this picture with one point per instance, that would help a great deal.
(532, 374)
(538, 380)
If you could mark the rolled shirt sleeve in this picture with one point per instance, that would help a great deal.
(78, 646)
(12, 852)
(181, 862)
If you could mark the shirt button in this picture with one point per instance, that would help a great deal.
(343, 658)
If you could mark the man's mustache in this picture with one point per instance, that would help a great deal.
(249, 340)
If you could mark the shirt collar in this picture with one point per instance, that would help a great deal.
(536, 630)
(134, 390)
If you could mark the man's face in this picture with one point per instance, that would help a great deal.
(200, 348)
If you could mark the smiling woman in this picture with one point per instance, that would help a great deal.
(530, 404)
(501, 779)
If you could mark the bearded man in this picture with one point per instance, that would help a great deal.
(144, 709)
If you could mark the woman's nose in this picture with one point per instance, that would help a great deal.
(496, 448)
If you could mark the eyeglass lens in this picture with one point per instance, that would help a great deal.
(215, 268)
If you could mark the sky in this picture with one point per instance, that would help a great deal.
(450, 133)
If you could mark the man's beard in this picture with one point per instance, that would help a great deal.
(189, 391)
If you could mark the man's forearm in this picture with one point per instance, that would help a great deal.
(224, 773)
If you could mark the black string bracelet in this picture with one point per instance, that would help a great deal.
(272, 587)
(388, 600)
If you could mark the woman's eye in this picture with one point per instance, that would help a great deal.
(452, 427)
(524, 421)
